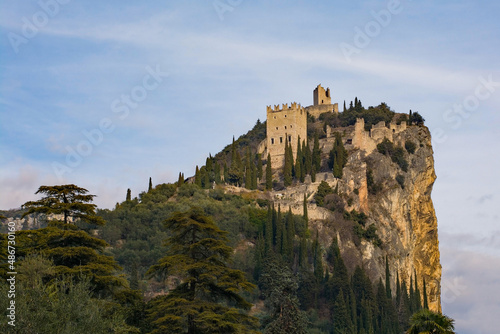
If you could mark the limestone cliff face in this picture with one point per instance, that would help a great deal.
(404, 215)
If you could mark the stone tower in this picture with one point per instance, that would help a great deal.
(322, 102)
(320, 96)
(288, 123)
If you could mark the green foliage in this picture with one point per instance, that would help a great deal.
(425, 321)
(288, 166)
(269, 173)
(323, 190)
(61, 306)
(198, 253)
(280, 288)
(416, 118)
(316, 154)
(373, 187)
(338, 156)
(370, 233)
(396, 153)
(410, 146)
(371, 116)
(249, 140)
(400, 179)
(68, 200)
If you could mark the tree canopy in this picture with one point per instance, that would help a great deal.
(208, 298)
(68, 200)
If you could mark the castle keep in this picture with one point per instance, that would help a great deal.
(289, 123)
(286, 124)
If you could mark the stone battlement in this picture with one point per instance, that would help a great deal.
(294, 106)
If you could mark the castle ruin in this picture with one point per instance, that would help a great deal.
(322, 102)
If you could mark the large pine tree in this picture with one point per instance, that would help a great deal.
(208, 298)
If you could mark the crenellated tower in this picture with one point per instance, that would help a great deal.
(285, 123)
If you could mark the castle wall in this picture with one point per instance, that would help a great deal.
(368, 140)
(288, 122)
(317, 110)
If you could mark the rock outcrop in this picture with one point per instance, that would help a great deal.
(397, 202)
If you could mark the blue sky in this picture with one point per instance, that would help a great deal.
(67, 70)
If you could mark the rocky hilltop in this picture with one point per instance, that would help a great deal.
(397, 202)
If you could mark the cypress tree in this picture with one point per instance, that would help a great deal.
(226, 173)
(269, 173)
(206, 180)
(129, 195)
(305, 215)
(387, 280)
(180, 180)
(412, 297)
(253, 173)
(426, 302)
(398, 289)
(279, 231)
(303, 252)
(259, 167)
(313, 174)
(341, 317)
(197, 176)
(418, 300)
(268, 231)
(248, 171)
(307, 157)
(217, 172)
(290, 235)
(344, 106)
(316, 153)
(287, 168)
(318, 263)
(150, 185)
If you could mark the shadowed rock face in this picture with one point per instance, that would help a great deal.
(403, 214)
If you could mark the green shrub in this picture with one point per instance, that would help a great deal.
(396, 153)
(401, 180)
(323, 190)
(410, 146)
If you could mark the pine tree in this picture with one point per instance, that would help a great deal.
(68, 200)
(207, 299)
(269, 174)
(280, 288)
(150, 185)
(129, 195)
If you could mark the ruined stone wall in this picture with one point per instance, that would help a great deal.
(286, 123)
(321, 96)
(317, 110)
